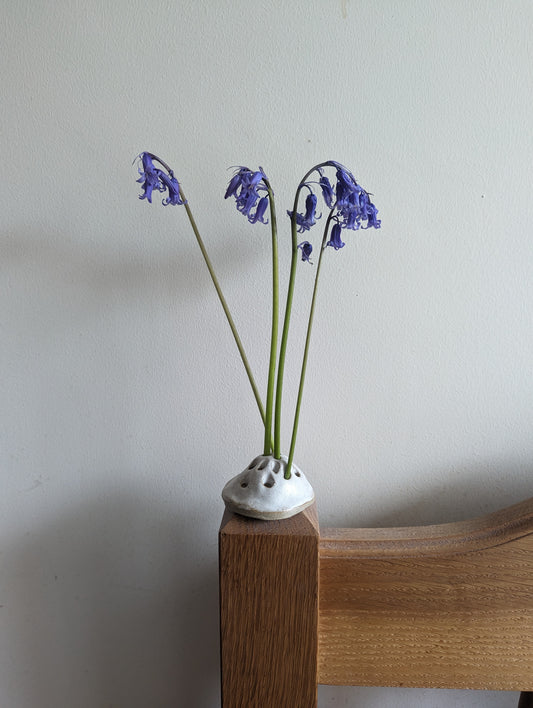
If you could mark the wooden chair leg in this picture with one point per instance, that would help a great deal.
(526, 699)
(269, 611)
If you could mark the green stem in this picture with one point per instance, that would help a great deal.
(224, 307)
(268, 445)
(284, 338)
(287, 316)
(306, 352)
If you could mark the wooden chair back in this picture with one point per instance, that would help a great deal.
(444, 606)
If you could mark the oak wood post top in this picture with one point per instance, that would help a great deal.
(269, 611)
(303, 524)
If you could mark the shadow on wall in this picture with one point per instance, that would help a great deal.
(444, 496)
(106, 606)
(112, 602)
(99, 270)
(336, 696)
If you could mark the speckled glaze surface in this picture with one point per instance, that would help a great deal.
(262, 492)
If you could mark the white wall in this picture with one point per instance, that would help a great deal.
(124, 405)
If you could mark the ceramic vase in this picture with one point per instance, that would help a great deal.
(262, 491)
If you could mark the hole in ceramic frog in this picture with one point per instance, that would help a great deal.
(269, 481)
(244, 484)
(276, 467)
(253, 463)
(263, 465)
(297, 474)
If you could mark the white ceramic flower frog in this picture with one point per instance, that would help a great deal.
(262, 492)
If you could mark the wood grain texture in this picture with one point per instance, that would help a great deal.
(269, 611)
(448, 606)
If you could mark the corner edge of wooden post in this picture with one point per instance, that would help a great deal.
(303, 524)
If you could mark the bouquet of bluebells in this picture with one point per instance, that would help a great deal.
(272, 487)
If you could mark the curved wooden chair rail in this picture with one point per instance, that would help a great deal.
(443, 606)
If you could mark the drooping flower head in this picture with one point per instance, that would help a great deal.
(162, 180)
(148, 177)
(327, 189)
(335, 239)
(247, 186)
(306, 249)
(371, 215)
(305, 221)
(353, 205)
(349, 204)
(259, 213)
(170, 183)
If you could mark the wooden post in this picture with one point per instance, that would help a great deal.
(269, 611)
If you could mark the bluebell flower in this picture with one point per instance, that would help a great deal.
(236, 182)
(349, 204)
(154, 178)
(149, 177)
(246, 201)
(327, 191)
(353, 202)
(170, 183)
(346, 185)
(305, 221)
(245, 186)
(335, 239)
(307, 249)
(259, 212)
(371, 216)
(351, 211)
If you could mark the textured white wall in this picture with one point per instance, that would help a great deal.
(124, 405)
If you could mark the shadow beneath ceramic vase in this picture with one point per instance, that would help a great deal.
(107, 605)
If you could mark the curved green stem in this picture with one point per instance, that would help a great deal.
(287, 316)
(224, 307)
(268, 445)
(306, 351)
